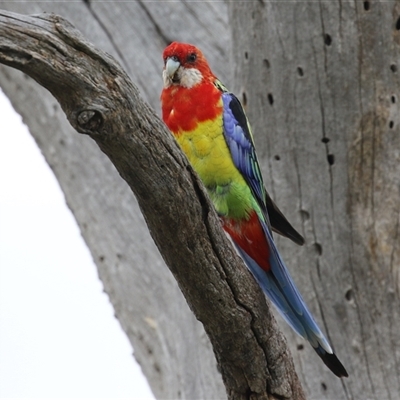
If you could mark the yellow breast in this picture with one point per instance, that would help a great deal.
(210, 156)
(208, 152)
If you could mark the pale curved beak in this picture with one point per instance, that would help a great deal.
(171, 66)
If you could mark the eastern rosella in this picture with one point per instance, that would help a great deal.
(212, 129)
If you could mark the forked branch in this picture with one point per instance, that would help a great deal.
(100, 100)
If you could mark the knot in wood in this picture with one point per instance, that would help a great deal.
(90, 120)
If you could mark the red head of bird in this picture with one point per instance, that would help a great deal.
(185, 65)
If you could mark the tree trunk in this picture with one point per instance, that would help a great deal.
(321, 84)
(99, 100)
(170, 344)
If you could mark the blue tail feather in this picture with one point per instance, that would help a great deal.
(279, 287)
(272, 289)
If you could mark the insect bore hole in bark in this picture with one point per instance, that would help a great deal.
(327, 39)
(349, 295)
(331, 159)
(300, 71)
(318, 248)
(270, 99)
(366, 5)
(398, 24)
(244, 99)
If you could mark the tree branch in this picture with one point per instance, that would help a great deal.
(99, 100)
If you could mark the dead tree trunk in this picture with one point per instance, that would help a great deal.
(146, 299)
(99, 100)
(321, 83)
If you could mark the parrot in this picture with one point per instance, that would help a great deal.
(212, 129)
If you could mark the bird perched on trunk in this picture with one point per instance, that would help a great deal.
(212, 129)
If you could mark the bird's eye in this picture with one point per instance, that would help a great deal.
(191, 57)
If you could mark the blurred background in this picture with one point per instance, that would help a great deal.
(58, 334)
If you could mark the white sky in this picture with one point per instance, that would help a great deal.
(59, 338)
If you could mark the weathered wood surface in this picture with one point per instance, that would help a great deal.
(100, 101)
(321, 81)
(329, 149)
(144, 294)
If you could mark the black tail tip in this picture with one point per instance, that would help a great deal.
(333, 363)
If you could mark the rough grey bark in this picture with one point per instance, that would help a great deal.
(169, 343)
(144, 294)
(323, 77)
(321, 83)
(99, 100)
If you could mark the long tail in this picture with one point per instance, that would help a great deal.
(279, 287)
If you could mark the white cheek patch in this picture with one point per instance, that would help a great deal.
(189, 77)
(167, 81)
(186, 77)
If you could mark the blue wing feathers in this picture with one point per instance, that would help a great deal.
(276, 282)
(238, 137)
